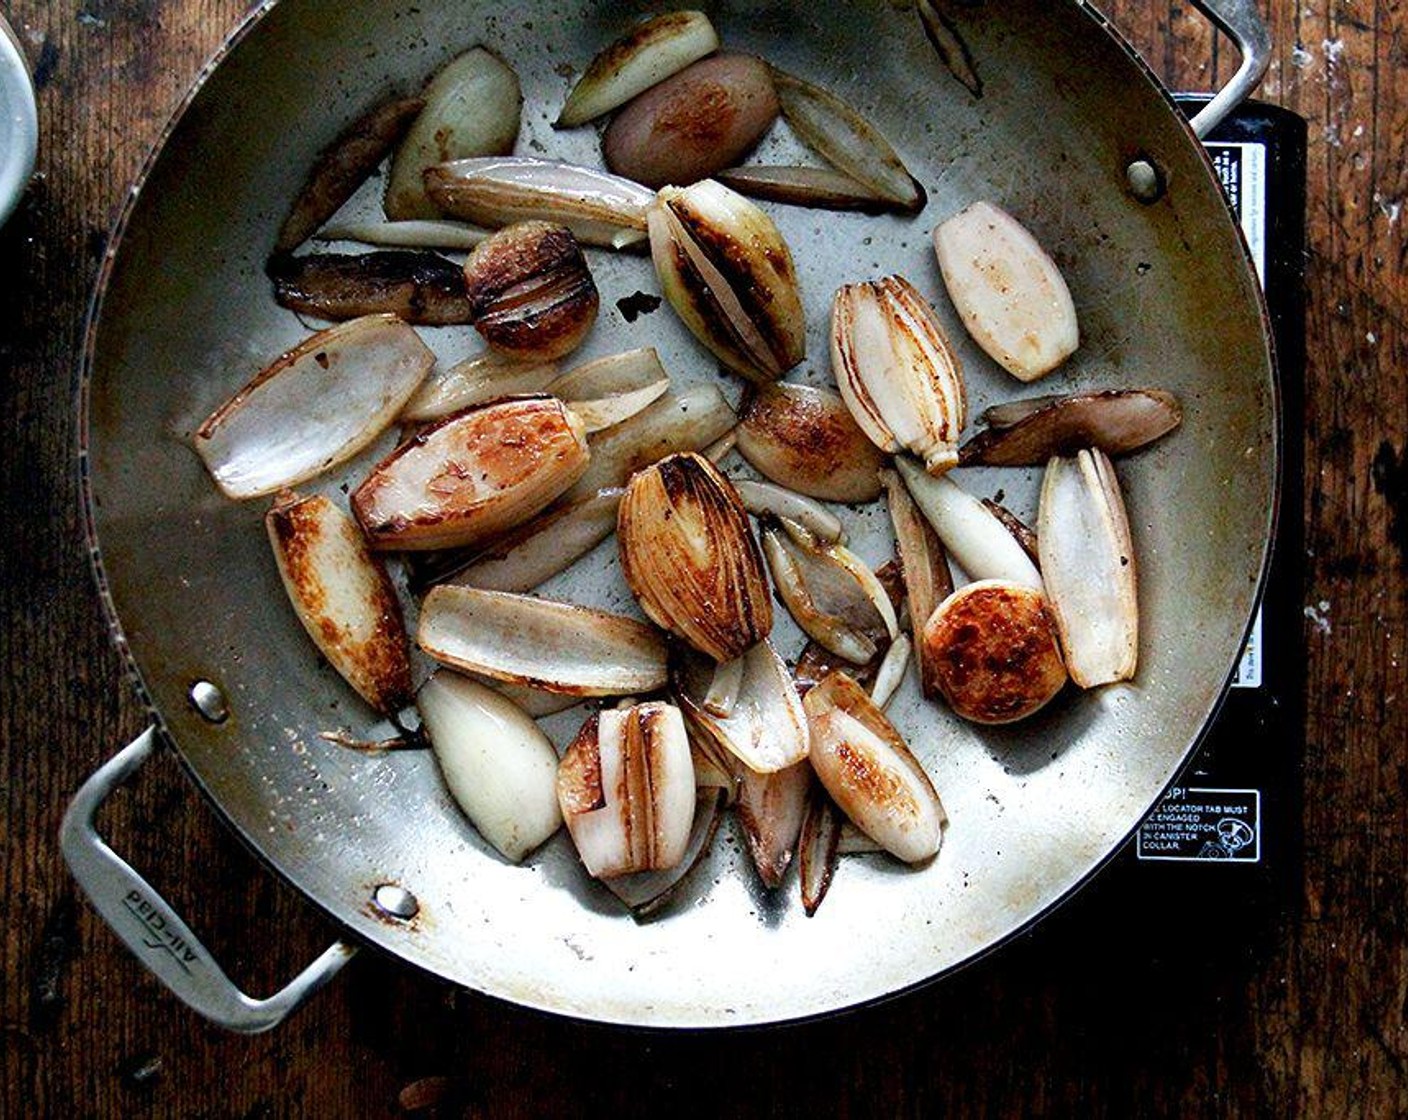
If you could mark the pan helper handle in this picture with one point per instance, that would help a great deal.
(148, 925)
(1242, 21)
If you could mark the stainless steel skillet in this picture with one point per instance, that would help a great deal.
(1072, 133)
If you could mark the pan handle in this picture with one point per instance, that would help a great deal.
(1241, 20)
(154, 932)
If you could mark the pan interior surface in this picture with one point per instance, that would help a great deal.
(1166, 299)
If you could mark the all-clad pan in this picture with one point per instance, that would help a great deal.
(184, 315)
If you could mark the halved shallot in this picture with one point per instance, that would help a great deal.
(819, 187)
(598, 207)
(771, 807)
(729, 275)
(472, 474)
(531, 294)
(849, 142)
(1028, 433)
(416, 285)
(927, 579)
(831, 592)
(648, 53)
(766, 730)
(315, 407)
(644, 893)
(472, 108)
(870, 773)
(805, 438)
(344, 165)
(764, 499)
(991, 649)
(343, 597)
(1008, 292)
(501, 769)
(696, 122)
(539, 549)
(478, 379)
(626, 787)
(557, 647)
(972, 533)
(609, 390)
(819, 847)
(689, 556)
(897, 371)
(1087, 558)
(688, 420)
(415, 233)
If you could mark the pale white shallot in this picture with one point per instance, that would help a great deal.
(557, 647)
(972, 533)
(897, 371)
(770, 808)
(1087, 557)
(412, 234)
(315, 407)
(626, 788)
(478, 379)
(1008, 292)
(501, 769)
(598, 207)
(764, 499)
(607, 391)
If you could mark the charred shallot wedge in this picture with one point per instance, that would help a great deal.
(766, 729)
(696, 122)
(343, 597)
(472, 475)
(847, 141)
(1008, 292)
(870, 773)
(991, 649)
(477, 380)
(647, 54)
(897, 371)
(949, 45)
(626, 788)
(555, 647)
(315, 407)
(832, 593)
(1028, 433)
(472, 108)
(804, 438)
(689, 420)
(415, 285)
(501, 769)
(689, 556)
(537, 550)
(599, 208)
(729, 275)
(927, 579)
(344, 165)
(531, 294)
(1087, 558)
(973, 535)
(818, 847)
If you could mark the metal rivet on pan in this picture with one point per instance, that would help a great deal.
(396, 901)
(209, 701)
(1146, 181)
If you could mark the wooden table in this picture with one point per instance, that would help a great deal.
(1309, 1020)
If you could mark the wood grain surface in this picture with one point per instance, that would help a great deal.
(1090, 1016)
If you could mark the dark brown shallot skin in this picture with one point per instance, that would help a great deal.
(417, 286)
(1117, 421)
(344, 165)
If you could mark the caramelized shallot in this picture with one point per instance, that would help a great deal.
(343, 597)
(1028, 433)
(416, 286)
